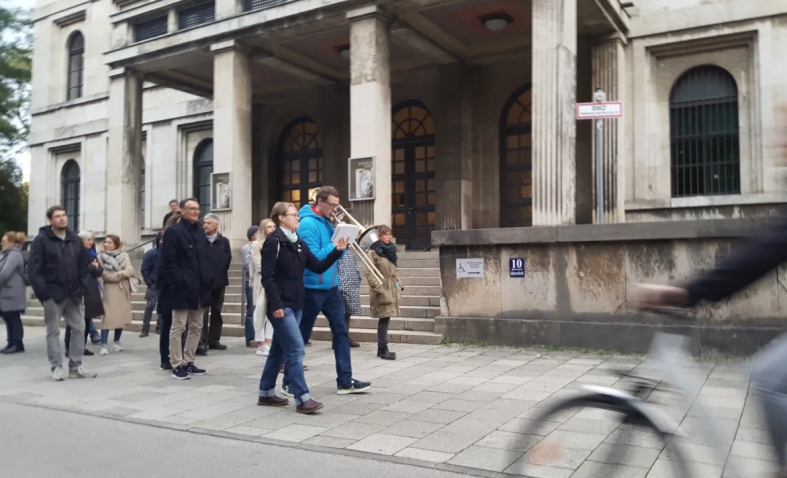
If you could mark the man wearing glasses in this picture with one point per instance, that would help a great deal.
(322, 290)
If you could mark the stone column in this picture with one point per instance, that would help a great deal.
(124, 156)
(554, 104)
(608, 74)
(232, 134)
(454, 149)
(370, 106)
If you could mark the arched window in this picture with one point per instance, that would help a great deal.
(516, 160)
(69, 188)
(704, 141)
(76, 65)
(413, 172)
(203, 168)
(300, 159)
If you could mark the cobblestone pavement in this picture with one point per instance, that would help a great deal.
(453, 408)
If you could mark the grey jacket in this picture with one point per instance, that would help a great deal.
(12, 285)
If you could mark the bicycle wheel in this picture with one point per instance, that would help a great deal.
(633, 412)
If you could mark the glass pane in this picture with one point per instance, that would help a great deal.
(399, 219)
(286, 167)
(398, 168)
(431, 199)
(420, 185)
(398, 200)
(420, 166)
(399, 154)
(295, 178)
(430, 151)
(286, 196)
(399, 186)
(431, 217)
(313, 176)
(420, 152)
(420, 219)
(296, 195)
(420, 199)
(430, 165)
(296, 166)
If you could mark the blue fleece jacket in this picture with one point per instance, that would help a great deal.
(317, 231)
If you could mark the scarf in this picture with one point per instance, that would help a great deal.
(112, 260)
(212, 238)
(385, 250)
(91, 253)
(291, 236)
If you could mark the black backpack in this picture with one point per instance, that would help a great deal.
(25, 276)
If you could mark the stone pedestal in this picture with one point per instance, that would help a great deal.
(232, 136)
(370, 107)
(608, 74)
(124, 156)
(554, 103)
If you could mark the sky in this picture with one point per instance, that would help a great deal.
(24, 158)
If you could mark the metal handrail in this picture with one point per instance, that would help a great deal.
(140, 245)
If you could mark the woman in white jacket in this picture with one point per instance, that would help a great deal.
(263, 330)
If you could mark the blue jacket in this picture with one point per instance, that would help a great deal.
(149, 272)
(317, 231)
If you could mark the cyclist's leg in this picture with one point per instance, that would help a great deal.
(769, 379)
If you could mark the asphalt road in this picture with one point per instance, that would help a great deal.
(36, 442)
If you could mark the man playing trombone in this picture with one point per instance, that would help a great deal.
(322, 290)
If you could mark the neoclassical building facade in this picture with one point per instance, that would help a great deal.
(464, 108)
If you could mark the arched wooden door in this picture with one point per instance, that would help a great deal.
(300, 161)
(413, 175)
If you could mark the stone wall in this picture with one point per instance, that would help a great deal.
(578, 281)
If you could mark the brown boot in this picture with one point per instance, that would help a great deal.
(272, 401)
(308, 407)
(354, 344)
(144, 333)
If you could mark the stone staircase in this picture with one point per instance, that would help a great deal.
(420, 275)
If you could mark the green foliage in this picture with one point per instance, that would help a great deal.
(13, 197)
(483, 344)
(552, 347)
(15, 75)
(446, 341)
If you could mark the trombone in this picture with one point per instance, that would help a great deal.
(339, 217)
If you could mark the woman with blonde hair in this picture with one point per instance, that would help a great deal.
(263, 329)
(118, 274)
(12, 290)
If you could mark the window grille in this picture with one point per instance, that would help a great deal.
(76, 65)
(198, 15)
(153, 28)
(705, 147)
(249, 5)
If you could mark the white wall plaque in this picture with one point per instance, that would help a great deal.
(469, 268)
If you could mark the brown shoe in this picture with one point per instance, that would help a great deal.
(354, 344)
(252, 344)
(272, 401)
(308, 407)
(144, 333)
(217, 346)
(306, 369)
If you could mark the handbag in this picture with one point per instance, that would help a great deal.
(134, 282)
(261, 307)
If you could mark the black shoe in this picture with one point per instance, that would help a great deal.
(355, 387)
(180, 373)
(13, 349)
(144, 334)
(6, 348)
(194, 370)
(385, 354)
(201, 352)
(165, 366)
(88, 353)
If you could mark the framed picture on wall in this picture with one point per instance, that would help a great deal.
(361, 183)
(221, 190)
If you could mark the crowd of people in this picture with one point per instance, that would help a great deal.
(292, 272)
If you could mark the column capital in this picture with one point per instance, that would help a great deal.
(615, 38)
(122, 72)
(369, 11)
(229, 45)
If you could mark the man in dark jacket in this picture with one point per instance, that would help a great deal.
(151, 295)
(220, 257)
(185, 275)
(58, 271)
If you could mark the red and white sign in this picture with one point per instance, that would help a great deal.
(612, 109)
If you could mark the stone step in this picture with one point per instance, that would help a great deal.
(398, 323)
(428, 291)
(413, 281)
(320, 333)
(408, 273)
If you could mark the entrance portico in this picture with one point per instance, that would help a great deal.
(467, 108)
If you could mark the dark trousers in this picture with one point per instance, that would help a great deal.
(212, 321)
(13, 326)
(331, 303)
(249, 322)
(87, 332)
(151, 297)
(163, 341)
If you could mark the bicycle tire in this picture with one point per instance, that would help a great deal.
(636, 413)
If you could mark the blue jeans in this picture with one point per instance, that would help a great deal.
(105, 336)
(331, 303)
(249, 312)
(287, 346)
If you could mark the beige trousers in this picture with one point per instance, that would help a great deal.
(181, 319)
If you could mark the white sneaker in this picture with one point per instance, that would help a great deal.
(58, 374)
(264, 351)
(104, 350)
(117, 347)
(80, 372)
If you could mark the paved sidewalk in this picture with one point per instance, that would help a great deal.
(453, 407)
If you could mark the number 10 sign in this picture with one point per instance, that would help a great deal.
(516, 267)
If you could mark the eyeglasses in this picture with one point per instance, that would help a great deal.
(334, 206)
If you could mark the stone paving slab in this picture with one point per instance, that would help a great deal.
(449, 407)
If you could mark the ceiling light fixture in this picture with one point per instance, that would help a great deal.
(343, 50)
(496, 22)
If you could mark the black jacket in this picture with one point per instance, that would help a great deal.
(94, 305)
(282, 277)
(752, 260)
(58, 267)
(184, 270)
(220, 256)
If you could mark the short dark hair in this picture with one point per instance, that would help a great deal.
(182, 203)
(174, 200)
(325, 192)
(52, 210)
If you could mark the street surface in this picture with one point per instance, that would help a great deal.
(438, 411)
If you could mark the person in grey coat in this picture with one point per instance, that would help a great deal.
(12, 290)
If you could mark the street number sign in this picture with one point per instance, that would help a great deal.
(613, 109)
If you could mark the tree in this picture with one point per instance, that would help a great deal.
(15, 75)
(13, 197)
